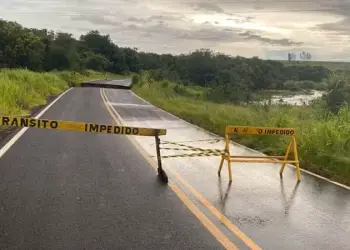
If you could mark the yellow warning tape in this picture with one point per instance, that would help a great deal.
(197, 149)
(78, 126)
(211, 141)
(190, 148)
(192, 155)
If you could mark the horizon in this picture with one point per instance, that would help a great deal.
(77, 37)
(266, 29)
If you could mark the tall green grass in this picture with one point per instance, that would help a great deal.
(323, 138)
(21, 90)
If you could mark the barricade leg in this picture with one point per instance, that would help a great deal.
(221, 163)
(296, 158)
(229, 169)
(286, 156)
(161, 173)
(226, 157)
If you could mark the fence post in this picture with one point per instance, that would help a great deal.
(161, 173)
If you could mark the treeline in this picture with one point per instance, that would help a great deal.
(44, 50)
(206, 68)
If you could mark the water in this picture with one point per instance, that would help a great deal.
(298, 100)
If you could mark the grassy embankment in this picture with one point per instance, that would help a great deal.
(22, 90)
(323, 138)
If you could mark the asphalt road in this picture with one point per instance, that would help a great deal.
(71, 190)
(275, 213)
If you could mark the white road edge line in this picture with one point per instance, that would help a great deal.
(10, 143)
(252, 150)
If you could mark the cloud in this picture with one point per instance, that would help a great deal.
(208, 6)
(341, 27)
(137, 20)
(166, 18)
(241, 19)
(282, 41)
(95, 19)
(209, 34)
(235, 27)
(154, 19)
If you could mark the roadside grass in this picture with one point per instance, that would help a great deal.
(21, 90)
(323, 138)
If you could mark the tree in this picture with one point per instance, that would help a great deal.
(46, 50)
(96, 62)
(62, 53)
(20, 47)
(97, 43)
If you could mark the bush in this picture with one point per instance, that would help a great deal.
(135, 79)
(339, 92)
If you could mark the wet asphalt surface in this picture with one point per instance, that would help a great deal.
(71, 190)
(275, 213)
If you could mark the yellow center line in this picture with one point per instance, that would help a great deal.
(220, 236)
(232, 227)
(206, 222)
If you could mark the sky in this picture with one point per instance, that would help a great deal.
(264, 28)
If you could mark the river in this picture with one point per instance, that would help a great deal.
(298, 100)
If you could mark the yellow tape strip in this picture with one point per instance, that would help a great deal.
(196, 149)
(78, 126)
(192, 155)
(190, 148)
(259, 130)
(211, 141)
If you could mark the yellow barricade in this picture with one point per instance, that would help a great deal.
(292, 147)
(78, 126)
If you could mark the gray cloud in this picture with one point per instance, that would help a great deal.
(241, 19)
(152, 24)
(155, 26)
(95, 19)
(209, 34)
(340, 27)
(166, 18)
(231, 36)
(137, 20)
(208, 6)
(282, 42)
(154, 18)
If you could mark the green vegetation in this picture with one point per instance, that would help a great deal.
(43, 50)
(333, 66)
(323, 137)
(206, 88)
(21, 90)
